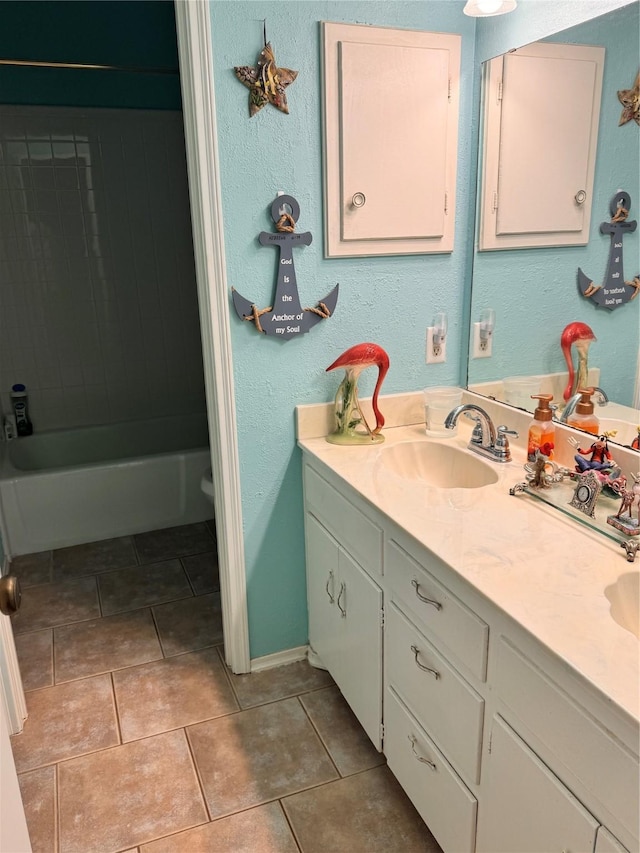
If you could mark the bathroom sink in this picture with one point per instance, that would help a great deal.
(624, 596)
(625, 431)
(440, 465)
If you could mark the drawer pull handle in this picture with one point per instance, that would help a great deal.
(343, 611)
(412, 741)
(434, 672)
(330, 594)
(416, 586)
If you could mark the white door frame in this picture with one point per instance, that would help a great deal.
(195, 50)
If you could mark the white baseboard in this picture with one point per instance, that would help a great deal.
(279, 658)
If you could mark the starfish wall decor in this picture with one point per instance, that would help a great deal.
(266, 83)
(630, 100)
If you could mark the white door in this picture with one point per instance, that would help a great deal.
(14, 837)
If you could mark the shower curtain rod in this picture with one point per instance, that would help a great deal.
(32, 63)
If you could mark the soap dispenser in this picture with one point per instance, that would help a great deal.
(542, 429)
(583, 417)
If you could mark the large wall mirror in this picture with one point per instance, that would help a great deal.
(534, 291)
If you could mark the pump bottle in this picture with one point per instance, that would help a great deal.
(542, 429)
(583, 417)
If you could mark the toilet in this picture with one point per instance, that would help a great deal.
(206, 485)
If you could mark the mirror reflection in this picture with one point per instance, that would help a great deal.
(546, 332)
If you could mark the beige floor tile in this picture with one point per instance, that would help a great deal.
(365, 813)
(35, 656)
(190, 624)
(65, 721)
(38, 790)
(177, 691)
(340, 731)
(260, 830)
(92, 557)
(203, 571)
(33, 569)
(105, 644)
(174, 542)
(57, 604)
(257, 688)
(258, 755)
(122, 797)
(141, 586)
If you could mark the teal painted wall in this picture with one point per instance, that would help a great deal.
(390, 301)
(534, 291)
(99, 32)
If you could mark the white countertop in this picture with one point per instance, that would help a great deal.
(543, 569)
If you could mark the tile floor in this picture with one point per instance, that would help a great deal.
(140, 739)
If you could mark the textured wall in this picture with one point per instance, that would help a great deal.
(390, 301)
(534, 291)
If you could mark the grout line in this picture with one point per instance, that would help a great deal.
(320, 738)
(57, 842)
(291, 826)
(115, 707)
(196, 770)
(155, 622)
(135, 549)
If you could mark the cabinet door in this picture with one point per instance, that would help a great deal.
(322, 585)
(542, 109)
(524, 807)
(358, 667)
(606, 843)
(345, 625)
(390, 122)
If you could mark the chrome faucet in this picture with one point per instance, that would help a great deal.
(602, 398)
(485, 439)
(570, 408)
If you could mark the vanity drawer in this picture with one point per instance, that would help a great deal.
(576, 742)
(442, 799)
(440, 699)
(353, 530)
(442, 616)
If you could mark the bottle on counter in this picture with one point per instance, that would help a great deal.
(542, 429)
(583, 417)
(19, 401)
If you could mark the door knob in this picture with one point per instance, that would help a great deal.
(10, 594)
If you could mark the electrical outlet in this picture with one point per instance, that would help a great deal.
(435, 354)
(481, 348)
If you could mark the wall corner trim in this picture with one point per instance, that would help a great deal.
(195, 50)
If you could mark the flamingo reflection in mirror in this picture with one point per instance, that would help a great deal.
(580, 335)
(349, 416)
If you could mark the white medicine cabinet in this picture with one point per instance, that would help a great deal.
(541, 116)
(390, 117)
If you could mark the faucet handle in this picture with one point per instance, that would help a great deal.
(502, 442)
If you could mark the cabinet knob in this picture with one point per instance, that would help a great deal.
(580, 196)
(358, 200)
(10, 594)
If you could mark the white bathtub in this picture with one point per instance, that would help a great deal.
(65, 487)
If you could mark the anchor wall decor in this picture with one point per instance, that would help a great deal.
(614, 291)
(285, 318)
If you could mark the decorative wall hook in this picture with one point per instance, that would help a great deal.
(285, 318)
(614, 291)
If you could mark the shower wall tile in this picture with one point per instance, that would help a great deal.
(98, 304)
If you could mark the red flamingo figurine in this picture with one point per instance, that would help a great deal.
(582, 336)
(354, 360)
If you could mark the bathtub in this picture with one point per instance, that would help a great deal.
(65, 487)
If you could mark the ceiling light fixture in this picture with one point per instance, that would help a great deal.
(487, 8)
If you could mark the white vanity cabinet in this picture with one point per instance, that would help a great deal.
(345, 603)
(498, 742)
(525, 807)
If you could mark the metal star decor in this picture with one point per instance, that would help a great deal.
(266, 83)
(630, 100)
